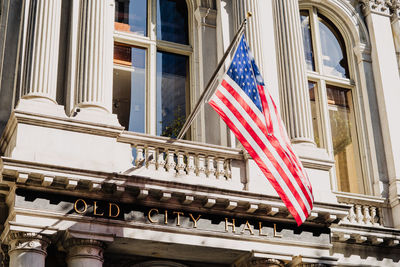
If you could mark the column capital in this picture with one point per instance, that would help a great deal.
(265, 263)
(395, 10)
(84, 249)
(380, 7)
(28, 241)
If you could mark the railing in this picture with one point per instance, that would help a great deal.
(365, 210)
(364, 215)
(184, 161)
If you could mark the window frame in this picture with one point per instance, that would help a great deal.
(152, 45)
(352, 83)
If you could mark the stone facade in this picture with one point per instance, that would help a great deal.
(79, 189)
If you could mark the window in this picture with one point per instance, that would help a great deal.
(331, 93)
(152, 54)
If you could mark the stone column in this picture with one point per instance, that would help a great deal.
(94, 72)
(39, 53)
(295, 102)
(387, 80)
(27, 249)
(253, 30)
(84, 252)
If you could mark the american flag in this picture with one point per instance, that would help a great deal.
(246, 106)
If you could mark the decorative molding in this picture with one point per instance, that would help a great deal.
(264, 263)
(381, 7)
(159, 264)
(84, 248)
(395, 9)
(27, 241)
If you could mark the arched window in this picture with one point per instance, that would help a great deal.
(332, 98)
(151, 65)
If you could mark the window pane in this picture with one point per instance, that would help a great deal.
(131, 16)
(307, 40)
(172, 85)
(312, 86)
(172, 21)
(344, 141)
(333, 49)
(129, 89)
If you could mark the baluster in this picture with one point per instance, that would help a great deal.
(139, 156)
(201, 169)
(359, 215)
(367, 216)
(180, 167)
(190, 167)
(352, 215)
(160, 160)
(170, 165)
(228, 171)
(151, 158)
(210, 171)
(374, 218)
(220, 173)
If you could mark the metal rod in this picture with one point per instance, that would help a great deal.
(209, 86)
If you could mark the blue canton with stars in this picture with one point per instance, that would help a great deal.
(244, 71)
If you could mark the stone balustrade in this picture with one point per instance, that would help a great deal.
(364, 215)
(185, 161)
(363, 211)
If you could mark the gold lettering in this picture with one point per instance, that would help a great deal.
(149, 215)
(247, 227)
(110, 205)
(76, 206)
(95, 209)
(178, 213)
(166, 217)
(194, 220)
(275, 232)
(260, 228)
(228, 224)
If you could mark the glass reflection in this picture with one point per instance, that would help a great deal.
(130, 87)
(172, 21)
(131, 16)
(307, 39)
(340, 115)
(333, 49)
(312, 87)
(172, 85)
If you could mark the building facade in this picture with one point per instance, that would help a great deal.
(93, 93)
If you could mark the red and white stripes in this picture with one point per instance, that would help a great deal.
(264, 137)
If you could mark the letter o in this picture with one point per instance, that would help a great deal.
(76, 208)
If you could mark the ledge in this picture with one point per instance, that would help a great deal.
(129, 188)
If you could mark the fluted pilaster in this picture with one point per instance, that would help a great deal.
(295, 105)
(94, 58)
(27, 249)
(253, 30)
(40, 49)
(84, 252)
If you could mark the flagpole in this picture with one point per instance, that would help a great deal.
(209, 86)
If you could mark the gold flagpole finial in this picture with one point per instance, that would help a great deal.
(249, 14)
